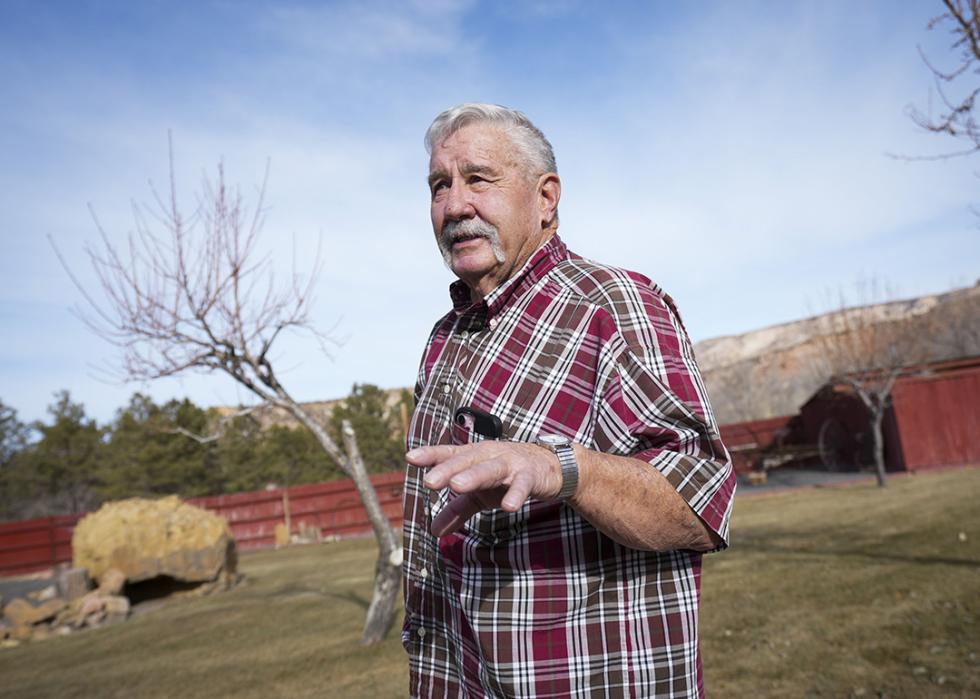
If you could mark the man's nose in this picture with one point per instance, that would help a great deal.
(458, 204)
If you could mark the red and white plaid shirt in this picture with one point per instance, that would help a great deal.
(539, 603)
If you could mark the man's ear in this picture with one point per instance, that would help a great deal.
(549, 192)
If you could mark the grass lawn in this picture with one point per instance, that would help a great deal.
(825, 593)
(847, 592)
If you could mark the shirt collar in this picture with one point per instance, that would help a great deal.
(538, 265)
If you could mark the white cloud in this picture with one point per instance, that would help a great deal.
(735, 154)
(740, 148)
(366, 30)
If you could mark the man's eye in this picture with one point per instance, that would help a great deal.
(438, 186)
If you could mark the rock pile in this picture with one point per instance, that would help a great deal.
(48, 612)
(124, 543)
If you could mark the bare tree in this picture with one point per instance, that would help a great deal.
(192, 294)
(956, 115)
(866, 348)
(957, 332)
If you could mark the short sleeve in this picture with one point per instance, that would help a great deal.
(654, 408)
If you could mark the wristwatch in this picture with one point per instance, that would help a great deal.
(562, 446)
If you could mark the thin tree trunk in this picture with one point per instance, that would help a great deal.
(387, 571)
(876, 403)
(878, 408)
(878, 443)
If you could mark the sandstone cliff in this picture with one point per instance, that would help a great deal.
(770, 372)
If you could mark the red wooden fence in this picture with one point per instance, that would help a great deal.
(35, 544)
(333, 508)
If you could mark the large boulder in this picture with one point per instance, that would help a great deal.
(145, 539)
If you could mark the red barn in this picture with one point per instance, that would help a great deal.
(933, 419)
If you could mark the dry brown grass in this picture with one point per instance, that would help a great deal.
(825, 593)
(847, 592)
(291, 630)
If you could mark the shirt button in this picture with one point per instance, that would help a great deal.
(421, 632)
(493, 323)
(464, 334)
(424, 573)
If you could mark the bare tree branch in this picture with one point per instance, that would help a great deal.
(956, 116)
(191, 293)
(220, 426)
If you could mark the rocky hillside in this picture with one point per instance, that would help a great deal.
(770, 372)
(320, 409)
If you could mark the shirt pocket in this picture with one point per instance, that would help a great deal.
(489, 526)
(497, 525)
(462, 434)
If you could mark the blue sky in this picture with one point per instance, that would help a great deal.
(735, 152)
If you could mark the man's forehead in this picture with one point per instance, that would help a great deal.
(474, 147)
(465, 166)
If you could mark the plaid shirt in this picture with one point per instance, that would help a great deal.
(539, 603)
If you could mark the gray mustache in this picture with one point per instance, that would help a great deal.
(454, 230)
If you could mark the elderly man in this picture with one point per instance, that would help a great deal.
(565, 470)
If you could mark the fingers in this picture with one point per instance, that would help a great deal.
(519, 491)
(484, 475)
(464, 468)
(481, 476)
(430, 456)
(454, 515)
(444, 460)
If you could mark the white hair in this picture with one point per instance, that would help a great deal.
(528, 138)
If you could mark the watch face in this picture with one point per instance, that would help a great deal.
(552, 440)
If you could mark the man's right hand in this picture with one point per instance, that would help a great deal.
(487, 475)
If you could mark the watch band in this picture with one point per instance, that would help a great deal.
(562, 447)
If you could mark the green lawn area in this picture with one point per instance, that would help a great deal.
(825, 593)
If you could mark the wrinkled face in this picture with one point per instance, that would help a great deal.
(486, 208)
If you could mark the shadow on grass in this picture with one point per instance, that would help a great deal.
(292, 590)
(766, 547)
(353, 597)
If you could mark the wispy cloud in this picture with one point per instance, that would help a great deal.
(736, 153)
